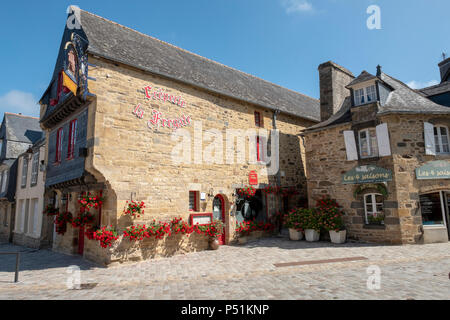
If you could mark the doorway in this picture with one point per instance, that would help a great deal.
(447, 210)
(219, 214)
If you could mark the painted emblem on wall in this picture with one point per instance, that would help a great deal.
(367, 174)
(434, 170)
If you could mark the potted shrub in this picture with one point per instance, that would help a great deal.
(294, 223)
(331, 216)
(311, 224)
(214, 230)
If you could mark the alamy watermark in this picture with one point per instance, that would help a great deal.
(374, 20)
(374, 279)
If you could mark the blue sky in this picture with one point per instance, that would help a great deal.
(282, 41)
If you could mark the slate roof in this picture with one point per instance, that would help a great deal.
(435, 90)
(22, 128)
(112, 41)
(363, 77)
(402, 99)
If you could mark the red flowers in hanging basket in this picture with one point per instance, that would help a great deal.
(134, 209)
(83, 218)
(246, 192)
(89, 201)
(271, 190)
(50, 210)
(61, 221)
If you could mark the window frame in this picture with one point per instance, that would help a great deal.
(374, 204)
(195, 207)
(72, 139)
(59, 140)
(4, 179)
(364, 93)
(24, 180)
(438, 143)
(372, 146)
(442, 203)
(258, 119)
(35, 169)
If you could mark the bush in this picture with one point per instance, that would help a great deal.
(294, 220)
(330, 214)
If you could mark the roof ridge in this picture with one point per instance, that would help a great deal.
(20, 115)
(195, 54)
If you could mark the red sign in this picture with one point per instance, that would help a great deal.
(253, 178)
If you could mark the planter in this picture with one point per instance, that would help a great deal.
(295, 235)
(243, 240)
(312, 235)
(338, 237)
(214, 244)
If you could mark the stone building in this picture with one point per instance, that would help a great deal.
(17, 133)
(32, 228)
(130, 117)
(382, 151)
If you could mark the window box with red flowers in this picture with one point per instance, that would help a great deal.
(178, 226)
(244, 229)
(271, 190)
(134, 209)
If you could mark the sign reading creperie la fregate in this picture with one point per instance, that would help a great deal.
(157, 119)
(367, 174)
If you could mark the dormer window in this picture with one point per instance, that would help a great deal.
(365, 95)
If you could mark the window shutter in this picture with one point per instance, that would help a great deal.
(384, 146)
(428, 130)
(350, 145)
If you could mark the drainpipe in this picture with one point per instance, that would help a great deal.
(274, 125)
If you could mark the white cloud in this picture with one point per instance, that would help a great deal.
(419, 85)
(293, 6)
(19, 102)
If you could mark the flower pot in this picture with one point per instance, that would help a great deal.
(312, 235)
(214, 244)
(243, 240)
(338, 237)
(295, 235)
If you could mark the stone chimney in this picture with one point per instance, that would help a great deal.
(333, 79)
(444, 68)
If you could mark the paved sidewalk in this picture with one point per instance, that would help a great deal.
(240, 272)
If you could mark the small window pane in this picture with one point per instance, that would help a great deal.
(430, 206)
(379, 198)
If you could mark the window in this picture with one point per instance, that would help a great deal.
(59, 140)
(373, 206)
(365, 95)
(431, 208)
(35, 169)
(4, 178)
(258, 119)
(441, 139)
(368, 144)
(72, 139)
(24, 171)
(258, 149)
(193, 200)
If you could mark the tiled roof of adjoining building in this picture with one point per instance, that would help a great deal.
(22, 128)
(123, 45)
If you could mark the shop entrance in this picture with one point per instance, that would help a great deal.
(254, 208)
(435, 208)
(219, 214)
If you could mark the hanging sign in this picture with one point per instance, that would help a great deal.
(434, 170)
(253, 178)
(366, 174)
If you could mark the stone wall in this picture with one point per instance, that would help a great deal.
(134, 161)
(326, 163)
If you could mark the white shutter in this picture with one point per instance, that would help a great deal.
(384, 146)
(350, 146)
(428, 130)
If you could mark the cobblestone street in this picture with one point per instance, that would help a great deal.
(251, 271)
